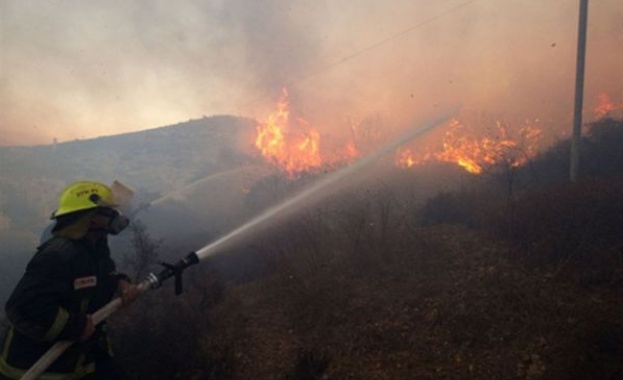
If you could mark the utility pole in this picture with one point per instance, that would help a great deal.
(579, 92)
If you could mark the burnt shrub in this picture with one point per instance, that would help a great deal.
(468, 208)
(577, 224)
(603, 145)
(310, 365)
(601, 157)
(164, 336)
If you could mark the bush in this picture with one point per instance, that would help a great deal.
(604, 153)
(575, 223)
(468, 208)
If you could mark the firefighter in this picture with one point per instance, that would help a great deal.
(70, 277)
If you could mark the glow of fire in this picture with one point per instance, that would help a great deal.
(292, 144)
(351, 150)
(474, 154)
(405, 158)
(605, 106)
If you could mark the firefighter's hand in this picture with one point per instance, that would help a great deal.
(88, 330)
(127, 292)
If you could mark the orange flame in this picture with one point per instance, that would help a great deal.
(293, 152)
(293, 146)
(404, 158)
(351, 150)
(605, 106)
(474, 154)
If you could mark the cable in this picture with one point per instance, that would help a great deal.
(384, 41)
(369, 48)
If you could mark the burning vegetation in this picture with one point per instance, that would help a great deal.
(606, 107)
(463, 147)
(294, 146)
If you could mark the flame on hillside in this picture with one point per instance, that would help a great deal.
(292, 144)
(605, 107)
(405, 158)
(475, 154)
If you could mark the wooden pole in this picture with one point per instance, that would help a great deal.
(579, 92)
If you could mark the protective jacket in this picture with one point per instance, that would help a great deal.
(64, 281)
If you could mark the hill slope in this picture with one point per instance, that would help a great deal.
(155, 161)
(450, 304)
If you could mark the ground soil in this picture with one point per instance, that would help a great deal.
(455, 304)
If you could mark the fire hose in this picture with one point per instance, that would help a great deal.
(153, 281)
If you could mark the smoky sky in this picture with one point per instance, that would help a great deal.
(77, 69)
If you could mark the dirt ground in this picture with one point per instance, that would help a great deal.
(454, 304)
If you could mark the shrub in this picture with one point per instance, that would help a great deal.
(575, 223)
(468, 208)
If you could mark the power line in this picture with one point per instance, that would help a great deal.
(384, 41)
(371, 47)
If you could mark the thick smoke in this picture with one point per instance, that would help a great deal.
(83, 69)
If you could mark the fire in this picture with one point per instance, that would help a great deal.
(477, 154)
(405, 158)
(351, 150)
(605, 106)
(292, 144)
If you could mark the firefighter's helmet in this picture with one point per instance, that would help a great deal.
(81, 196)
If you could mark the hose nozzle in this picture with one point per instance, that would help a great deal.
(172, 270)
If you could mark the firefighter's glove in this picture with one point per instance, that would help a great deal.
(127, 292)
(88, 330)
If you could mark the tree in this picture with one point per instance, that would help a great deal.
(144, 250)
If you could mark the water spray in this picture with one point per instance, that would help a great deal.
(194, 184)
(155, 280)
(186, 189)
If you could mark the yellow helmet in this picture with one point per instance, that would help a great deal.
(84, 195)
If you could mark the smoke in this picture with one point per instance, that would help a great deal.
(82, 69)
(276, 37)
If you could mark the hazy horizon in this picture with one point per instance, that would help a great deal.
(76, 70)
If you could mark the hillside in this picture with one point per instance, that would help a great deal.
(152, 162)
(483, 282)
(514, 275)
(448, 303)
(454, 306)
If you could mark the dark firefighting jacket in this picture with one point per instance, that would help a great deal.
(64, 281)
